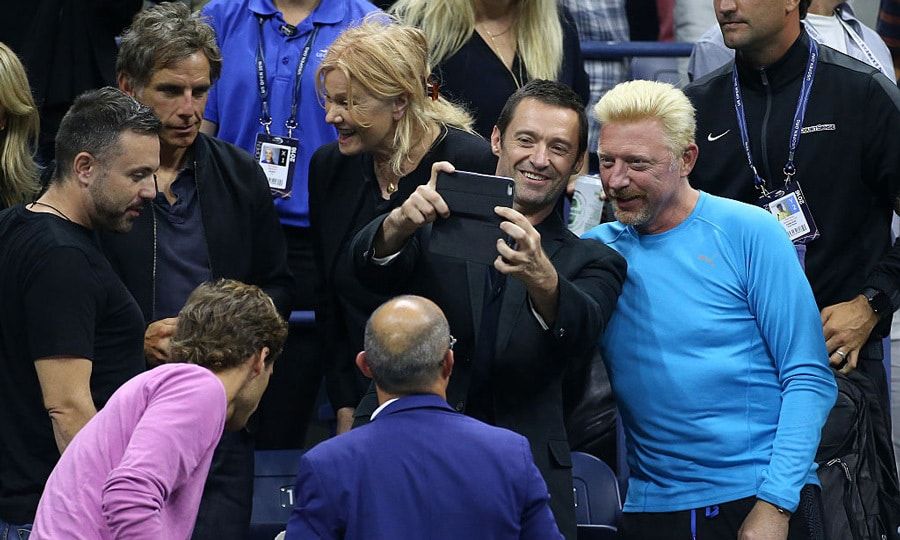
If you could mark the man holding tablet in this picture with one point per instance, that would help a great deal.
(522, 320)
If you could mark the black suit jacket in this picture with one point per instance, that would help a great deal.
(529, 362)
(243, 236)
(337, 186)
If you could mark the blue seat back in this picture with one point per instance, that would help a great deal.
(597, 499)
(273, 485)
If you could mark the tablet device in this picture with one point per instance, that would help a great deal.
(472, 230)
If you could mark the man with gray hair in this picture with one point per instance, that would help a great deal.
(212, 218)
(419, 469)
(70, 333)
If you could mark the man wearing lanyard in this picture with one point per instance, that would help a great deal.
(830, 22)
(212, 218)
(270, 99)
(791, 122)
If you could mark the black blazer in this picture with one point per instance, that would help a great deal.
(243, 236)
(337, 186)
(527, 370)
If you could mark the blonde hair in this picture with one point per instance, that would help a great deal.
(18, 171)
(639, 100)
(449, 24)
(389, 60)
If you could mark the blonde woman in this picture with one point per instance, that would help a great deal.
(484, 50)
(392, 125)
(18, 133)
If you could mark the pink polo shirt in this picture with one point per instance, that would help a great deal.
(137, 469)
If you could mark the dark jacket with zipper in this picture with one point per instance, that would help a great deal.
(243, 235)
(847, 161)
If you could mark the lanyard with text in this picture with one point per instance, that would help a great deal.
(278, 155)
(860, 43)
(788, 205)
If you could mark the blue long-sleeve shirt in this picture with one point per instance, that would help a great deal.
(717, 359)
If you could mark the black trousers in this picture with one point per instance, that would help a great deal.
(721, 521)
(287, 407)
(228, 493)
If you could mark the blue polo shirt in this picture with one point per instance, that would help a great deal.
(234, 103)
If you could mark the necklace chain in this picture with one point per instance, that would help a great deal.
(55, 209)
(496, 50)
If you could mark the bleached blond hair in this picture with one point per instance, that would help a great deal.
(636, 100)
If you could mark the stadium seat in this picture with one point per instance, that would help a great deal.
(656, 69)
(598, 506)
(273, 491)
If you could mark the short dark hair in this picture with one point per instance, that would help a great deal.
(804, 7)
(550, 93)
(225, 322)
(407, 359)
(162, 35)
(94, 124)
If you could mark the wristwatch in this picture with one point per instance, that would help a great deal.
(879, 302)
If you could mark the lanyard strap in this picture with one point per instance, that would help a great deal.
(796, 127)
(859, 42)
(265, 118)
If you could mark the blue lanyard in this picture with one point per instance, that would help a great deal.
(796, 127)
(265, 119)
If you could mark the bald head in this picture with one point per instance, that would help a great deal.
(406, 341)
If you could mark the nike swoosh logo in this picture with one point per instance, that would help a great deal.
(710, 137)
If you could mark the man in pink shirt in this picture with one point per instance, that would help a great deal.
(137, 469)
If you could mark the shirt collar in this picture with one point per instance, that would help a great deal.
(327, 12)
(381, 407)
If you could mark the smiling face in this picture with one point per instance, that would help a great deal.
(177, 94)
(539, 150)
(641, 176)
(365, 125)
(124, 182)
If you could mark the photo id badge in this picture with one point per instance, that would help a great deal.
(789, 206)
(277, 156)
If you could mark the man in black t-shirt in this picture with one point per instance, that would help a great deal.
(70, 332)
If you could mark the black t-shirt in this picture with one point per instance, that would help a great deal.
(59, 297)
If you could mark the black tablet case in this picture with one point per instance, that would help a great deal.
(472, 230)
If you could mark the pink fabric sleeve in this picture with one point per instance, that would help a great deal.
(181, 425)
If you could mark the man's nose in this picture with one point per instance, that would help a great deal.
(616, 176)
(540, 157)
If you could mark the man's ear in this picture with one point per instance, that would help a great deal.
(401, 103)
(258, 362)
(125, 84)
(85, 167)
(689, 159)
(363, 364)
(447, 364)
(495, 141)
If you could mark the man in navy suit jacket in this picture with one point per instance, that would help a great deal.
(419, 469)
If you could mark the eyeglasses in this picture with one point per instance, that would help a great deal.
(452, 342)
